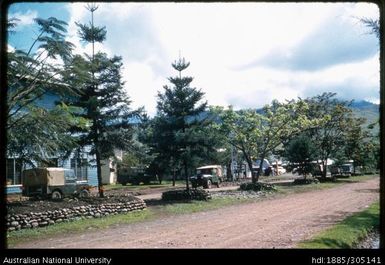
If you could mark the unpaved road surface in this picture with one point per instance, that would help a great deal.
(273, 223)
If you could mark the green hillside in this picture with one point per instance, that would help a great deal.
(369, 111)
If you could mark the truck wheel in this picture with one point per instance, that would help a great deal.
(208, 184)
(56, 195)
(124, 183)
(218, 184)
(84, 194)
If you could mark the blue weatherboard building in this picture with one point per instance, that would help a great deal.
(81, 163)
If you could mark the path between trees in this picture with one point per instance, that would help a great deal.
(274, 223)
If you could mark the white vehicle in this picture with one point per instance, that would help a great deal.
(281, 170)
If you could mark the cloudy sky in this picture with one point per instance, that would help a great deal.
(241, 54)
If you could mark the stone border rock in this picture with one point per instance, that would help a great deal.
(182, 195)
(41, 219)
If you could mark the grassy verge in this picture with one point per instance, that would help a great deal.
(289, 189)
(349, 232)
(152, 185)
(77, 226)
(199, 206)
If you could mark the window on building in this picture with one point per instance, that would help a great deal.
(13, 171)
(79, 165)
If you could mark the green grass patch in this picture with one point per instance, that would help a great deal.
(199, 206)
(77, 226)
(349, 232)
(289, 189)
(152, 185)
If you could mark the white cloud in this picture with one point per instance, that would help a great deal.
(218, 38)
(10, 48)
(24, 19)
(142, 85)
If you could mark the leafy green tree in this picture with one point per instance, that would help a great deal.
(31, 74)
(139, 153)
(102, 98)
(43, 134)
(330, 137)
(258, 135)
(176, 128)
(360, 145)
(34, 132)
(300, 150)
(243, 131)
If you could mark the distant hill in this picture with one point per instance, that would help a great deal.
(369, 111)
(361, 108)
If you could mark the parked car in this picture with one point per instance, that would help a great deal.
(53, 182)
(281, 170)
(206, 176)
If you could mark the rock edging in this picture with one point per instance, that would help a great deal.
(41, 219)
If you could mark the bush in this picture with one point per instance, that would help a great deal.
(182, 195)
(305, 181)
(258, 186)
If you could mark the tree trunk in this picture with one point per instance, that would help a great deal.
(250, 165)
(324, 169)
(260, 170)
(304, 173)
(186, 175)
(173, 178)
(229, 174)
(99, 173)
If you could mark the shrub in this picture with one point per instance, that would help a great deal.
(305, 181)
(182, 195)
(257, 186)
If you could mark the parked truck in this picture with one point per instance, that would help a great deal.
(134, 175)
(207, 175)
(53, 182)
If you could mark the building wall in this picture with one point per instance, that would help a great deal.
(109, 170)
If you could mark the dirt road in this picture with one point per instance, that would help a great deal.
(274, 223)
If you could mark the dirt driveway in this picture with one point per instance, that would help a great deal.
(272, 223)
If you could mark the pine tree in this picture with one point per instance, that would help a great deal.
(102, 98)
(178, 120)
